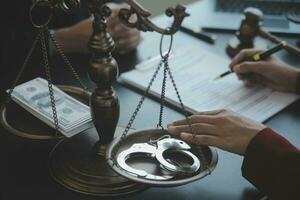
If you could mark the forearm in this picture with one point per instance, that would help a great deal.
(66, 39)
(272, 164)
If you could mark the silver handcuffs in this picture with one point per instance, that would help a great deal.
(156, 149)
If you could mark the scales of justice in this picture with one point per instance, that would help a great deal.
(90, 162)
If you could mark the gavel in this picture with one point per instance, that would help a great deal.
(250, 28)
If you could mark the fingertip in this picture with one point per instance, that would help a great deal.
(185, 136)
(171, 129)
(174, 131)
(231, 65)
(169, 125)
(180, 122)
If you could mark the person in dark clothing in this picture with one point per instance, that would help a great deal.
(271, 163)
(71, 30)
(74, 38)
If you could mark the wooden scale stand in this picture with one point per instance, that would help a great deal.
(79, 163)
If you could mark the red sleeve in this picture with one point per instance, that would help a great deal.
(272, 164)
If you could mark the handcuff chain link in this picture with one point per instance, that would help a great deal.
(137, 109)
(154, 142)
(67, 61)
(48, 76)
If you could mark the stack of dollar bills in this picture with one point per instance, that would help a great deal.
(73, 116)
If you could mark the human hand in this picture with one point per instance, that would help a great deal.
(74, 39)
(220, 128)
(272, 73)
(126, 39)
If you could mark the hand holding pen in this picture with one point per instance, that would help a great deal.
(264, 69)
(253, 57)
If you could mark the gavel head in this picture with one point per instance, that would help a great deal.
(250, 25)
(253, 15)
(245, 37)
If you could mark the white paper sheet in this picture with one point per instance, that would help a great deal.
(194, 71)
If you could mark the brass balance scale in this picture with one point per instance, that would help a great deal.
(84, 163)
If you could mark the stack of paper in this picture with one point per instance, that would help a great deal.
(194, 71)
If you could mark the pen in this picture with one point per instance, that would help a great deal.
(207, 38)
(259, 56)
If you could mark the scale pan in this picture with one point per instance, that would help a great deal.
(143, 136)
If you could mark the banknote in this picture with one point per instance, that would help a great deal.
(73, 116)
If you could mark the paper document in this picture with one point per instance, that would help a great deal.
(194, 71)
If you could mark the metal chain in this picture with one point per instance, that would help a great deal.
(199, 147)
(167, 70)
(137, 109)
(42, 37)
(67, 62)
(163, 91)
(25, 63)
(132, 118)
(48, 76)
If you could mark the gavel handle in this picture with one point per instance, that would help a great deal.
(290, 48)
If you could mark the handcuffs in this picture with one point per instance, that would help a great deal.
(156, 149)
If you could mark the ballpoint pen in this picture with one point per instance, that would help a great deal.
(259, 56)
(198, 34)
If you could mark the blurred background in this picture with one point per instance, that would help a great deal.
(157, 7)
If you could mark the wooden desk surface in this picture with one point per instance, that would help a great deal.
(23, 163)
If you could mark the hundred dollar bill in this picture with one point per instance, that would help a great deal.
(73, 116)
